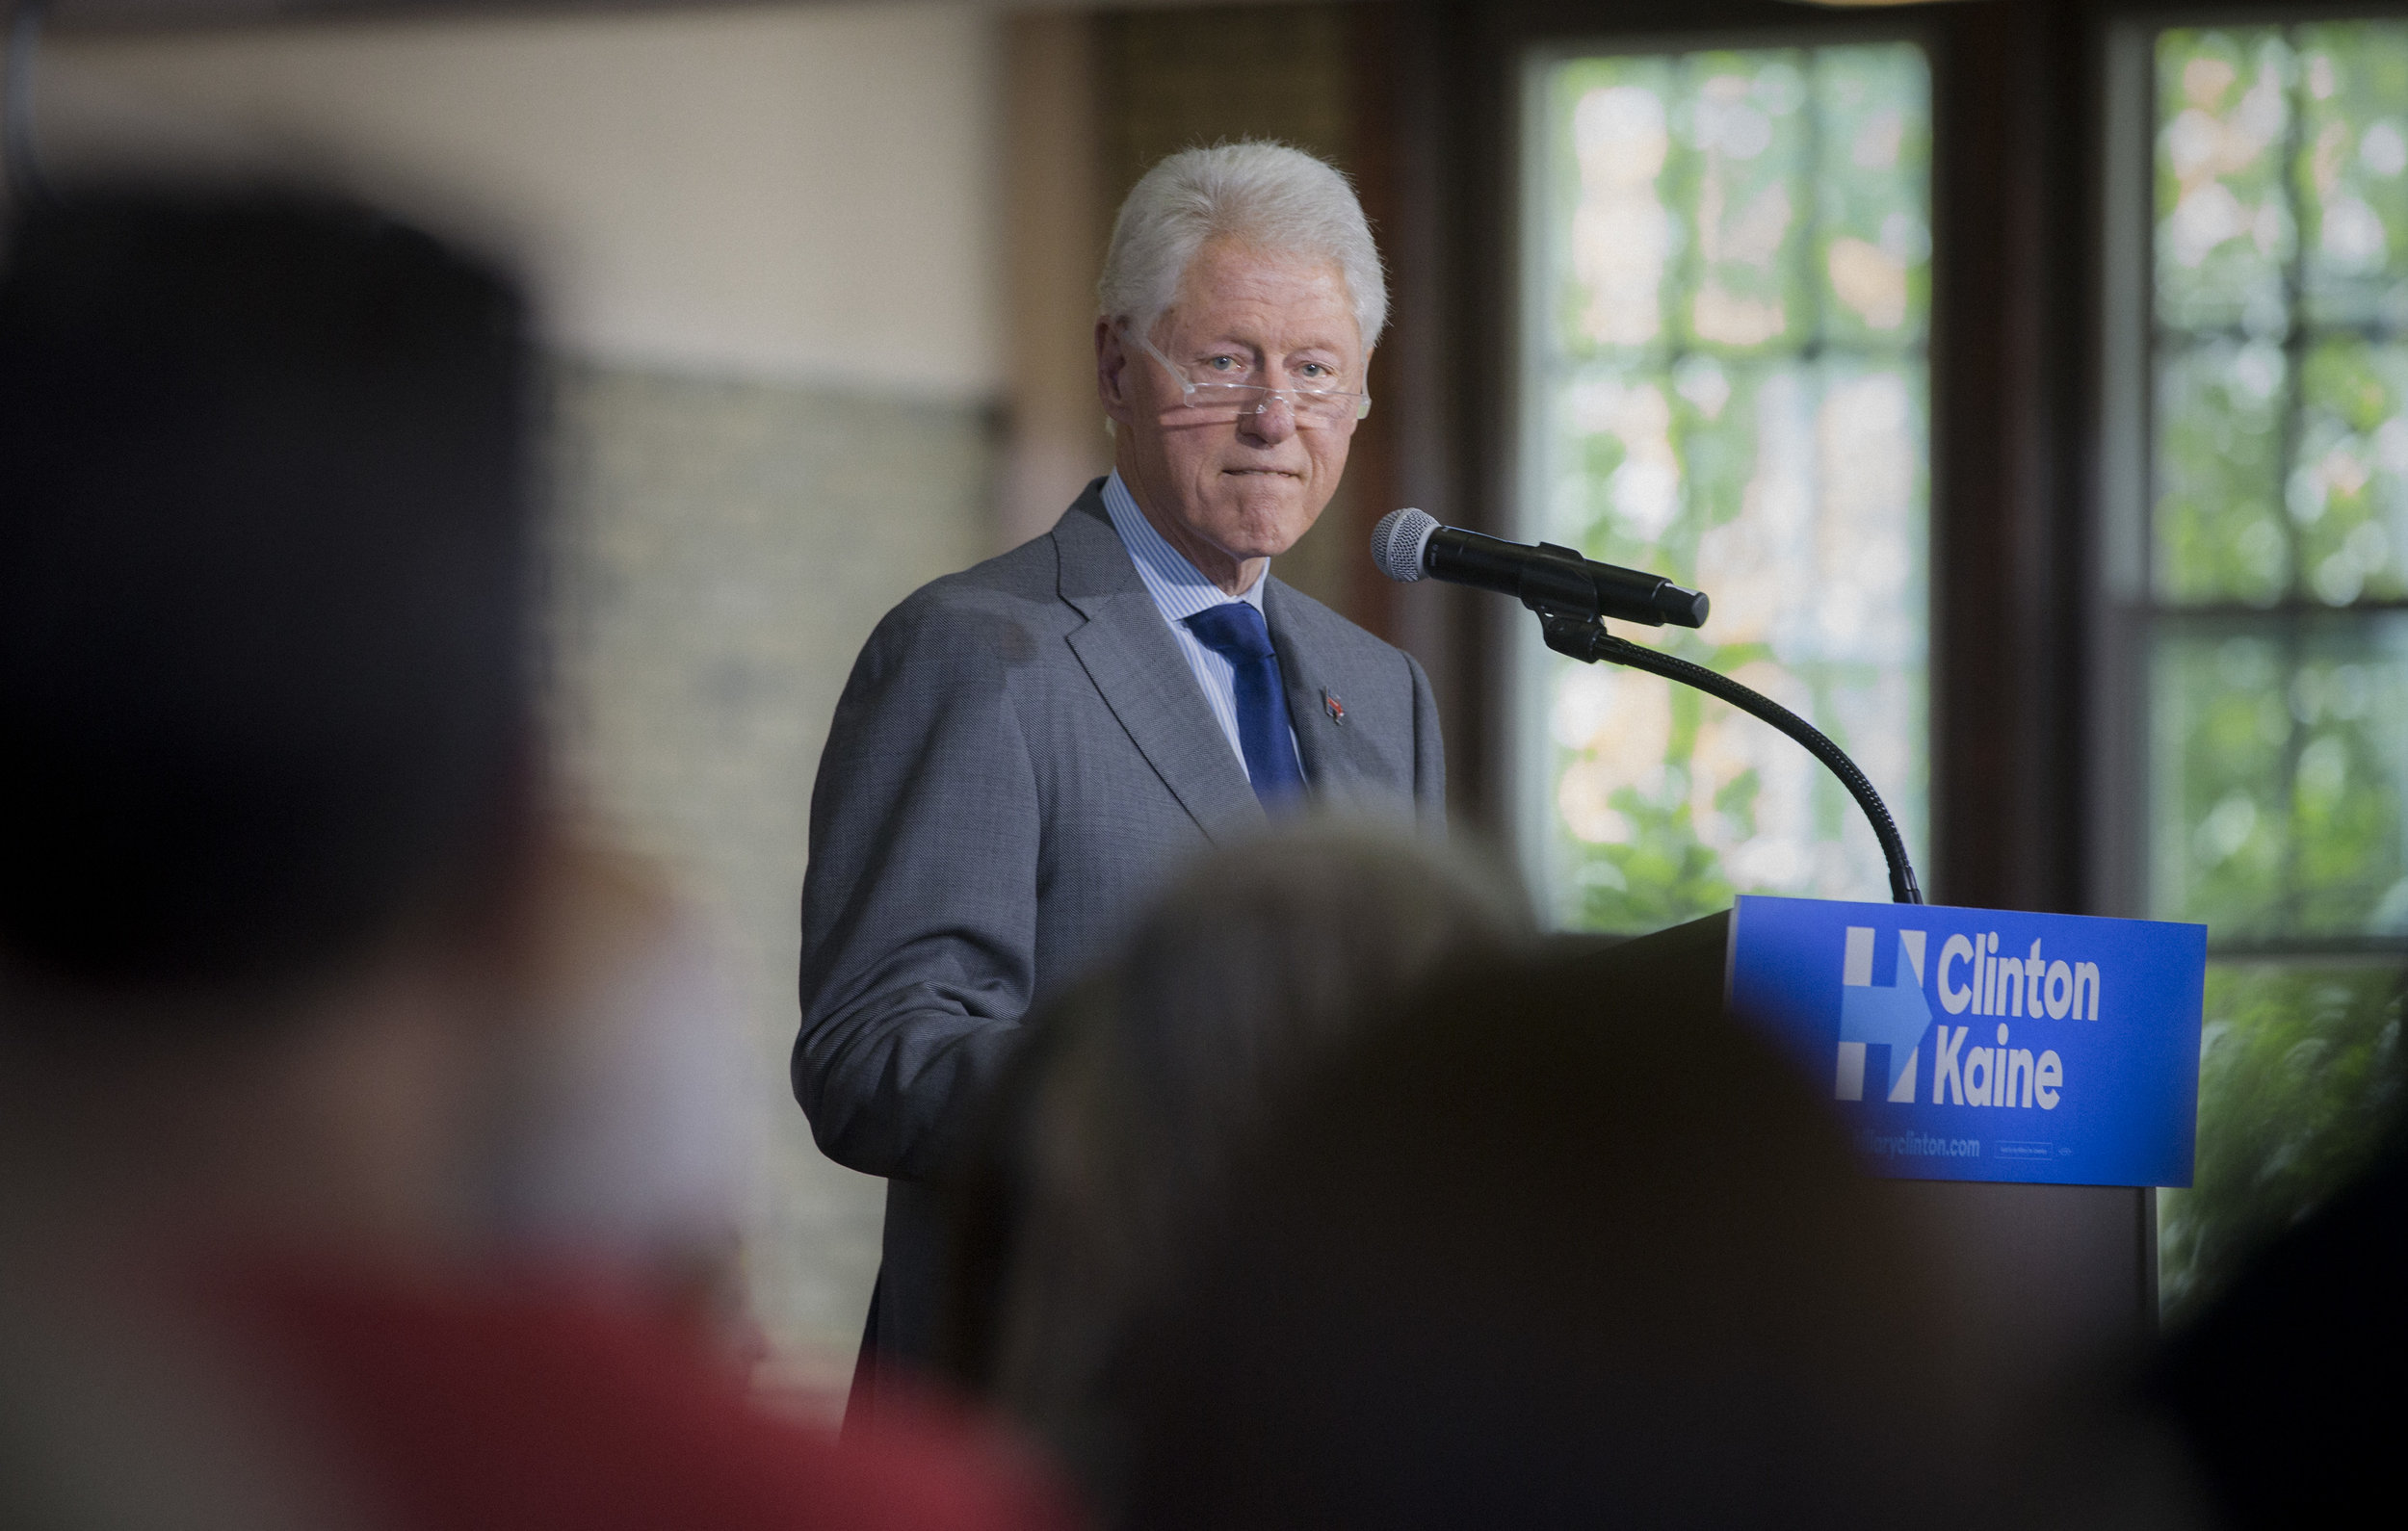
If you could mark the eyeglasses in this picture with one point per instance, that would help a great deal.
(1219, 402)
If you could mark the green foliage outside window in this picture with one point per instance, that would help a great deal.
(2280, 752)
(1731, 291)
(2298, 1060)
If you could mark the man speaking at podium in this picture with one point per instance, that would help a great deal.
(1027, 749)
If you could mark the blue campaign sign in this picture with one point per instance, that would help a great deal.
(1984, 1044)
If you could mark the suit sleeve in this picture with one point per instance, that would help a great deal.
(1429, 752)
(919, 904)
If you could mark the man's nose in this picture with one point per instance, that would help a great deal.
(1274, 421)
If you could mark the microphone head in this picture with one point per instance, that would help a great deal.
(1398, 542)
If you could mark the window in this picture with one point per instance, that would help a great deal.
(1723, 380)
(2275, 604)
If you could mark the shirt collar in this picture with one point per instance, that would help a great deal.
(1178, 588)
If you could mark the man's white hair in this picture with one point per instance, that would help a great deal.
(1267, 195)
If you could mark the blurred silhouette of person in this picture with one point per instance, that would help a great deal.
(2285, 1392)
(1138, 1090)
(1556, 1247)
(289, 938)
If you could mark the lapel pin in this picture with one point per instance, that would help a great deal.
(1337, 709)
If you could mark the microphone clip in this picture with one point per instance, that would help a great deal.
(1559, 588)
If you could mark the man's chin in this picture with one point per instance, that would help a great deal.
(1265, 537)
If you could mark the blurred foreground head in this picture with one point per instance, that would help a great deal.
(264, 539)
(266, 747)
(1549, 1249)
(1140, 1088)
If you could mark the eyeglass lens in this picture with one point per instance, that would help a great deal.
(1311, 407)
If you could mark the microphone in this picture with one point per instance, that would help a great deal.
(1409, 544)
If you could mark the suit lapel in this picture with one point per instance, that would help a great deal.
(1135, 663)
(1335, 750)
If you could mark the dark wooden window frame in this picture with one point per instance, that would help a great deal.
(2013, 87)
(2040, 198)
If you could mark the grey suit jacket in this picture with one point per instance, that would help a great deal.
(1020, 759)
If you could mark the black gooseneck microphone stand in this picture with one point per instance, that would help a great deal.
(1584, 638)
(1571, 597)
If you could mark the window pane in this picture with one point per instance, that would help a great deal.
(2299, 1075)
(2353, 169)
(1875, 162)
(1729, 388)
(2220, 532)
(2224, 221)
(2347, 493)
(1613, 239)
(2280, 775)
(1748, 145)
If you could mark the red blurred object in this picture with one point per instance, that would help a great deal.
(536, 1403)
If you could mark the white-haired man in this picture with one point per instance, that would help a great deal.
(1025, 750)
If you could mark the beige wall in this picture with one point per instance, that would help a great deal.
(771, 255)
(724, 546)
(793, 193)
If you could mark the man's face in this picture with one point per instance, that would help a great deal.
(1227, 491)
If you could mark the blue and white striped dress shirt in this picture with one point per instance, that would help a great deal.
(1180, 592)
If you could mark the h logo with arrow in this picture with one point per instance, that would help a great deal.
(1892, 1016)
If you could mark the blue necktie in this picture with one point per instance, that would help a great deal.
(1236, 632)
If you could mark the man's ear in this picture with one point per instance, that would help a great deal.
(1111, 372)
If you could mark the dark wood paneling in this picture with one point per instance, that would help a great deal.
(2009, 174)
